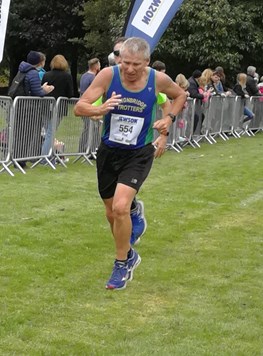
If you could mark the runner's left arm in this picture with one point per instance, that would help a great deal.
(178, 96)
(161, 141)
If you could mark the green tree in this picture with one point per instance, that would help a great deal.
(49, 27)
(207, 33)
(203, 33)
(103, 23)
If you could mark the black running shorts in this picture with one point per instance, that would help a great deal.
(129, 167)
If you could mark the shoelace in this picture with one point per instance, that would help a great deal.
(118, 270)
(138, 213)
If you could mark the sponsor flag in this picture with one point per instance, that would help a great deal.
(149, 19)
(4, 10)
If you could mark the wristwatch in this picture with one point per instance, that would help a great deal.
(172, 116)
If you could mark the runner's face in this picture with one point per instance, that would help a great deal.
(133, 65)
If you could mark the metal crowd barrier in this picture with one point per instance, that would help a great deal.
(227, 124)
(68, 131)
(46, 131)
(5, 132)
(94, 137)
(256, 124)
(237, 115)
(220, 116)
(214, 116)
(245, 127)
(182, 131)
(28, 120)
(90, 138)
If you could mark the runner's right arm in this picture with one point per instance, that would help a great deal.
(96, 90)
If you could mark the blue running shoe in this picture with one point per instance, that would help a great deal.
(139, 223)
(133, 262)
(119, 276)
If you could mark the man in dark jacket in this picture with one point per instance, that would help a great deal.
(251, 85)
(194, 85)
(32, 80)
(28, 124)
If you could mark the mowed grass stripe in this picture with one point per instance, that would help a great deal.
(198, 290)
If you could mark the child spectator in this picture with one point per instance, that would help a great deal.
(206, 75)
(251, 85)
(181, 122)
(216, 86)
(202, 89)
(182, 82)
(260, 85)
(240, 90)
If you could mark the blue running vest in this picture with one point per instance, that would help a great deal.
(129, 126)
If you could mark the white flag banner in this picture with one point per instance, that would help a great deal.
(4, 10)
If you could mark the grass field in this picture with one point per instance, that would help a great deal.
(198, 290)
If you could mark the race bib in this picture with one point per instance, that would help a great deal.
(125, 129)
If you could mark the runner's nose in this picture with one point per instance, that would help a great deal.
(130, 69)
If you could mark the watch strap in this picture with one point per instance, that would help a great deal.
(172, 116)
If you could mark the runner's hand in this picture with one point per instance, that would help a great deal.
(163, 125)
(160, 145)
(111, 103)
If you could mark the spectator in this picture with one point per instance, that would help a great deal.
(28, 122)
(160, 66)
(162, 100)
(41, 65)
(59, 77)
(85, 81)
(32, 81)
(251, 84)
(182, 82)
(63, 83)
(181, 120)
(111, 60)
(215, 85)
(162, 107)
(195, 94)
(222, 77)
(194, 85)
(260, 85)
(206, 75)
(204, 89)
(116, 49)
(240, 90)
(87, 78)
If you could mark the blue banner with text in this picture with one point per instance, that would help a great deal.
(149, 19)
